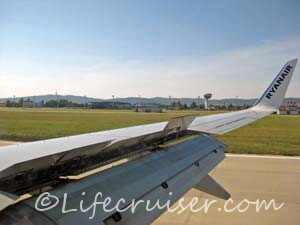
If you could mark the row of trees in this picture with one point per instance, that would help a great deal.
(64, 103)
(61, 103)
(193, 105)
(19, 103)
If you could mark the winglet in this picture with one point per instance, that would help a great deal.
(273, 96)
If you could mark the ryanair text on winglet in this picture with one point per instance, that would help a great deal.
(278, 82)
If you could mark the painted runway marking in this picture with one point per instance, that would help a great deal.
(262, 156)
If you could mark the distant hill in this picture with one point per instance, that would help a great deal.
(45, 98)
(134, 100)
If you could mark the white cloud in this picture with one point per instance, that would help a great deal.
(243, 72)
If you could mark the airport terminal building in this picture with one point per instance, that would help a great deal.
(290, 108)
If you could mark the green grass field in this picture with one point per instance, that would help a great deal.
(271, 135)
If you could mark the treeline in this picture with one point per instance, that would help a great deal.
(64, 103)
(225, 107)
(61, 103)
(19, 103)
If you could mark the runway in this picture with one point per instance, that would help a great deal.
(249, 177)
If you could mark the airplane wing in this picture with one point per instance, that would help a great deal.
(28, 167)
(268, 103)
(174, 170)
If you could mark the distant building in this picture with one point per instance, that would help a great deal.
(122, 105)
(290, 108)
(28, 104)
(31, 104)
(2, 104)
(152, 108)
(173, 108)
(109, 105)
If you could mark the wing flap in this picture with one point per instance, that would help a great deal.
(176, 169)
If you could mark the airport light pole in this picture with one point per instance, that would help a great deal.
(56, 99)
(139, 96)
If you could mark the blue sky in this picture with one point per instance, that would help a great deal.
(147, 48)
